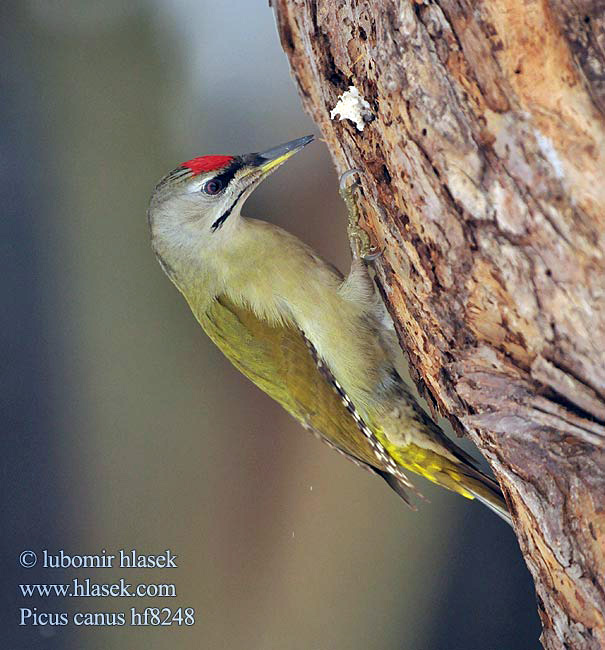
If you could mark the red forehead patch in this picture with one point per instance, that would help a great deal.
(207, 163)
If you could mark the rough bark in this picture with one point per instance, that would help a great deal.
(483, 184)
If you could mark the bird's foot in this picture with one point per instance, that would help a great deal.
(361, 245)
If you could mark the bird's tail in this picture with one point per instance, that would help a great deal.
(487, 491)
(467, 479)
(459, 474)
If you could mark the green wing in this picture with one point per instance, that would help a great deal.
(277, 360)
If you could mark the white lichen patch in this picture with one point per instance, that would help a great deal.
(549, 152)
(465, 189)
(352, 106)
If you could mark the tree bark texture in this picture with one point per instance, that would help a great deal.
(484, 185)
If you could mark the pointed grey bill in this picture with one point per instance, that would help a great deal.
(282, 151)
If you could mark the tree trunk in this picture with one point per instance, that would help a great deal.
(483, 166)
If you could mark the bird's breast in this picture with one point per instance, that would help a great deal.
(283, 281)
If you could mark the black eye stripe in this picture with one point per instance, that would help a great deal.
(226, 176)
(221, 220)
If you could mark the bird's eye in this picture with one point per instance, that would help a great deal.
(213, 186)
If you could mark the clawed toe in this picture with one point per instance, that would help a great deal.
(372, 255)
(345, 176)
(360, 241)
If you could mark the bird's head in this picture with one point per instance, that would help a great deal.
(202, 197)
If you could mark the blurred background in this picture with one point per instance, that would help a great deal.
(125, 428)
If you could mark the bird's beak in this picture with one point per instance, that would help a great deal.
(267, 161)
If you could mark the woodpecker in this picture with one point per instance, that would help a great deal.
(319, 343)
